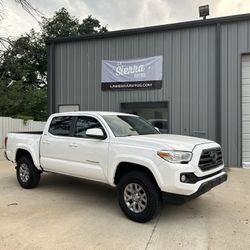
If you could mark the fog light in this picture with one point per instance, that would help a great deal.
(183, 178)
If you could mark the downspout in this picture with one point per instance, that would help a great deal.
(218, 82)
(51, 77)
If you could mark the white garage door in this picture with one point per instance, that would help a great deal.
(246, 111)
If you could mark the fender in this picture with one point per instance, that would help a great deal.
(147, 163)
(34, 155)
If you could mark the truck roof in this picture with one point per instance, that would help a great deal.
(102, 113)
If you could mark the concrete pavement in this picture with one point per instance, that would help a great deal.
(70, 213)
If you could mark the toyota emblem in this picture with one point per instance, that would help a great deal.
(213, 156)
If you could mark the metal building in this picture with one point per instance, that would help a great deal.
(205, 78)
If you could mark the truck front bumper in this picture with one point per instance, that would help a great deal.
(179, 199)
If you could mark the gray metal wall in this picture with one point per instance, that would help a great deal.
(235, 40)
(190, 78)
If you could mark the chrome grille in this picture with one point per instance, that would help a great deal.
(210, 158)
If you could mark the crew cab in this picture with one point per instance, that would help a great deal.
(121, 150)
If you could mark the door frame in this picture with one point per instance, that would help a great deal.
(241, 117)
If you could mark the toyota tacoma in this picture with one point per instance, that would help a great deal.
(121, 150)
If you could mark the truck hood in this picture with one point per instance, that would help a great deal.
(164, 141)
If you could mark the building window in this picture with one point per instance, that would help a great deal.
(156, 113)
(68, 108)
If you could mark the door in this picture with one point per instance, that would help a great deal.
(66, 149)
(88, 156)
(55, 144)
(246, 111)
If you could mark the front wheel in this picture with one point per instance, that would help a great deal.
(28, 175)
(139, 196)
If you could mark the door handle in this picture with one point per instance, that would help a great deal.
(46, 142)
(73, 145)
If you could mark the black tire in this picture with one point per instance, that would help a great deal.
(149, 188)
(28, 175)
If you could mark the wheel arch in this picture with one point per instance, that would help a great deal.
(126, 167)
(21, 152)
(27, 174)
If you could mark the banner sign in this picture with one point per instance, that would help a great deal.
(139, 73)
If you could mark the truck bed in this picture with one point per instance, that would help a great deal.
(20, 140)
(28, 132)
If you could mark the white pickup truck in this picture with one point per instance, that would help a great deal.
(121, 150)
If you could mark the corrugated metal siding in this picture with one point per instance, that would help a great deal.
(234, 41)
(186, 80)
(189, 78)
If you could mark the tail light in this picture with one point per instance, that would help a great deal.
(5, 141)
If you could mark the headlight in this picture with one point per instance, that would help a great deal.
(175, 156)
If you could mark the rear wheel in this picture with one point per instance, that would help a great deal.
(139, 196)
(28, 175)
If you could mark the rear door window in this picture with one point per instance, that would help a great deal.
(61, 125)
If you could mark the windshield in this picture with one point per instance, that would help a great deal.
(125, 125)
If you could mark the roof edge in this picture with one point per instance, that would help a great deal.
(149, 29)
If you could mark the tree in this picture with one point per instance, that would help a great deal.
(91, 25)
(62, 24)
(25, 60)
(23, 101)
(23, 65)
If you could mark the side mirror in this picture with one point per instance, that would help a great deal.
(96, 133)
(157, 129)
